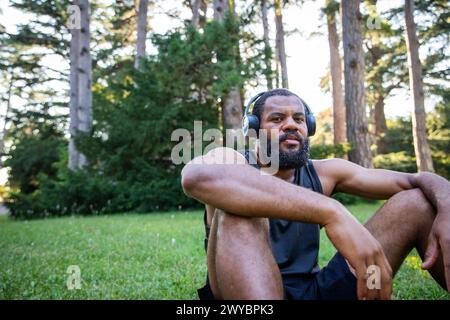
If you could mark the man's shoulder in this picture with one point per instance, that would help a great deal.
(328, 164)
(334, 168)
(329, 172)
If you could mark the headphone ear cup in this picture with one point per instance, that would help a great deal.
(253, 123)
(311, 124)
(245, 125)
(250, 122)
(310, 119)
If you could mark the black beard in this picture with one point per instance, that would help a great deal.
(291, 159)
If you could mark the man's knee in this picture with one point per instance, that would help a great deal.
(413, 207)
(248, 228)
(413, 200)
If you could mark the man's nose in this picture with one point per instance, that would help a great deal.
(292, 125)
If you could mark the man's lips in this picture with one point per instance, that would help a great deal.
(292, 141)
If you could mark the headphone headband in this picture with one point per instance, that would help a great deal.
(252, 102)
(254, 99)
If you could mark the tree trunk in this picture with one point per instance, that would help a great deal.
(356, 117)
(421, 147)
(4, 131)
(203, 10)
(267, 48)
(280, 44)
(379, 116)
(221, 7)
(336, 80)
(74, 103)
(196, 13)
(380, 125)
(85, 78)
(277, 70)
(141, 32)
(232, 103)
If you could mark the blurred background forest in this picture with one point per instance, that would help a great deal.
(90, 91)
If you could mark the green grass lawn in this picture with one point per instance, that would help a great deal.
(135, 256)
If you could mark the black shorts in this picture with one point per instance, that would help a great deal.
(333, 282)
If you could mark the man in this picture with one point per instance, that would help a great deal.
(263, 239)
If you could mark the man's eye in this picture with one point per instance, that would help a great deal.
(276, 119)
(300, 120)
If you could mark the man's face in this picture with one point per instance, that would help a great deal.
(284, 118)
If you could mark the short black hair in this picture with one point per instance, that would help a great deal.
(259, 104)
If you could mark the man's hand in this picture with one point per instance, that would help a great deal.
(437, 190)
(361, 250)
(439, 242)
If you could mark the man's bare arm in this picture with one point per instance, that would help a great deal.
(241, 189)
(381, 184)
(345, 176)
(435, 188)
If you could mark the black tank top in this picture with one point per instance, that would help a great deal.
(295, 245)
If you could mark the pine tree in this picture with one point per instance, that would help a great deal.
(141, 32)
(267, 47)
(355, 103)
(232, 103)
(339, 129)
(421, 147)
(280, 47)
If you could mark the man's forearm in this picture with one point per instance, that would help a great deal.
(435, 188)
(243, 190)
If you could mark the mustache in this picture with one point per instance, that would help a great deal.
(292, 133)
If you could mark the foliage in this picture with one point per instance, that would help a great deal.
(324, 151)
(324, 128)
(135, 113)
(4, 193)
(399, 135)
(37, 142)
(87, 193)
(350, 199)
(400, 146)
(439, 134)
(398, 161)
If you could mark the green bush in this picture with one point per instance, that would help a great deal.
(37, 143)
(324, 151)
(399, 137)
(135, 114)
(87, 193)
(398, 161)
(403, 162)
(441, 161)
(348, 199)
